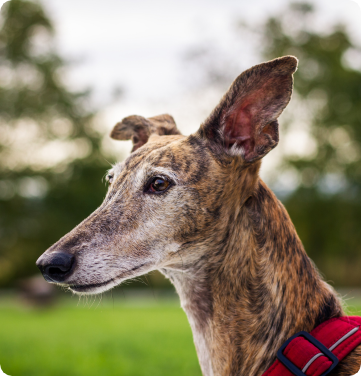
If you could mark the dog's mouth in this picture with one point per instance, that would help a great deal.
(97, 288)
(92, 288)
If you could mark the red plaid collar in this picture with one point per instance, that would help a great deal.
(317, 353)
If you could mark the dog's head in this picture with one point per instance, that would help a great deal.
(171, 199)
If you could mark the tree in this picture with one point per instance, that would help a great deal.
(51, 164)
(326, 206)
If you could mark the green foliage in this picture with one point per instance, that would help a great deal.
(105, 340)
(22, 17)
(326, 207)
(34, 87)
(329, 229)
(40, 199)
(329, 89)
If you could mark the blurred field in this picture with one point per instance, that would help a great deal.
(137, 338)
(113, 337)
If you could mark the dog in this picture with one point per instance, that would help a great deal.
(195, 208)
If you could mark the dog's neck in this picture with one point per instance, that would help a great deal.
(252, 290)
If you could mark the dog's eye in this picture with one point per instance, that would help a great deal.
(158, 185)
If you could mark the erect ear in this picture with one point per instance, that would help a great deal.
(139, 129)
(245, 121)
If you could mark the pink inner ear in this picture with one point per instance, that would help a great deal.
(239, 129)
(242, 121)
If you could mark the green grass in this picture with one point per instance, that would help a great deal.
(136, 338)
(72, 340)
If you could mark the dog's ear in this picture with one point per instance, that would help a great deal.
(139, 129)
(245, 121)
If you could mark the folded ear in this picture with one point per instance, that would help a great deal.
(245, 121)
(139, 129)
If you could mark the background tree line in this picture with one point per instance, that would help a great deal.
(42, 198)
(326, 204)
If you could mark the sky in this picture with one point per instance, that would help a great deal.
(139, 45)
(139, 48)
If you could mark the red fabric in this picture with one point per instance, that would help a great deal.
(300, 351)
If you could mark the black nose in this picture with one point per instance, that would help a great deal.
(56, 267)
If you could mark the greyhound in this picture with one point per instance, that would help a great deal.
(195, 208)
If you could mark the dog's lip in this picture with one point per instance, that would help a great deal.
(84, 288)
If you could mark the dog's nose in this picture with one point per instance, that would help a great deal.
(56, 267)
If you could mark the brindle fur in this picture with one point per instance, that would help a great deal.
(219, 234)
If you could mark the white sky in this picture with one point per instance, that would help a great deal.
(139, 45)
